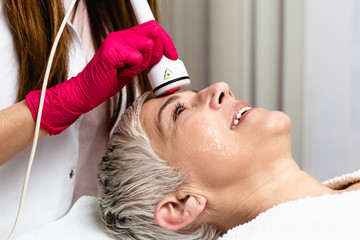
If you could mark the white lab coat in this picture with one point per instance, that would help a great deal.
(51, 185)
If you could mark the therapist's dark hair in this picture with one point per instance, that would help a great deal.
(34, 25)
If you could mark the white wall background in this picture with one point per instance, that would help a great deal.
(332, 92)
(298, 56)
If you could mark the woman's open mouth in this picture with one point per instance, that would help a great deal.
(238, 116)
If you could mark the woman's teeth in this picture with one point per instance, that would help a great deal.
(238, 116)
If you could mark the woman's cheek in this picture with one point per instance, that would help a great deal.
(208, 154)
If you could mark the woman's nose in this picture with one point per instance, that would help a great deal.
(216, 94)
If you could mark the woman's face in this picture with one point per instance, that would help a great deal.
(195, 132)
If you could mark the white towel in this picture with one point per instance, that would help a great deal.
(81, 223)
(325, 217)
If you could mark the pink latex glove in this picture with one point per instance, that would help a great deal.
(121, 56)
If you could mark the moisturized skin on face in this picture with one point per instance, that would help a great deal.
(194, 132)
(238, 169)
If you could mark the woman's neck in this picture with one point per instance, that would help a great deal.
(277, 184)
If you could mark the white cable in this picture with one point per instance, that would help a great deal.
(37, 126)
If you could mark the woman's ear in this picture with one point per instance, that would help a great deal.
(173, 213)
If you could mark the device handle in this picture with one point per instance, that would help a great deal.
(142, 11)
(166, 76)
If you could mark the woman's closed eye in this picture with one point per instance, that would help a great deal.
(178, 109)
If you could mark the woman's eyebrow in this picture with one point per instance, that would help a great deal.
(167, 103)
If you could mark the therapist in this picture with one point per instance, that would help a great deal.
(80, 112)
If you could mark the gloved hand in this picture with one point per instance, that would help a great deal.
(121, 56)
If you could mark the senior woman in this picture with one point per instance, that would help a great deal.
(194, 165)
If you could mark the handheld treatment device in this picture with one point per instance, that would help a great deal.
(167, 76)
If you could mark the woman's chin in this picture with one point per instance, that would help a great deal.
(278, 122)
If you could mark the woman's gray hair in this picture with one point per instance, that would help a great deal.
(134, 180)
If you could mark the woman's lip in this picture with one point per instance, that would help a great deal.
(238, 106)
